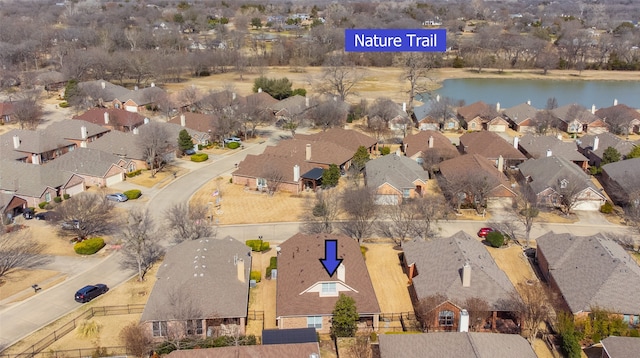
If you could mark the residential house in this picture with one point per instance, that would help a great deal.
(620, 347)
(428, 144)
(589, 272)
(306, 294)
(113, 119)
(113, 96)
(553, 177)
(52, 81)
(204, 124)
(34, 147)
(456, 270)
(470, 173)
(347, 138)
(455, 345)
(75, 131)
(621, 119)
(400, 121)
(6, 112)
(593, 146)
(292, 108)
(522, 117)
(395, 178)
(123, 145)
(426, 119)
(262, 99)
(201, 290)
(539, 146)
(575, 119)
(491, 146)
(621, 181)
(10, 206)
(475, 116)
(305, 350)
(97, 168)
(36, 183)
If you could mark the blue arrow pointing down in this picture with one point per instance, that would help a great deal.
(331, 260)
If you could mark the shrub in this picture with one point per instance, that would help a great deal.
(66, 196)
(607, 208)
(134, 173)
(495, 238)
(57, 199)
(89, 246)
(42, 205)
(257, 245)
(132, 194)
(385, 150)
(64, 104)
(233, 145)
(199, 157)
(595, 170)
(273, 264)
(255, 275)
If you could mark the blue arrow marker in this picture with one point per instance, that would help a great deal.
(331, 260)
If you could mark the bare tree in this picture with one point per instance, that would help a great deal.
(184, 311)
(27, 110)
(137, 339)
(86, 214)
(534, 305)
(396, 222)
(188, 222)
(274, 178)
(360, 347)
(632, 211)
(141, 248)
(479, 311)
(416, 67)
(339, 78)
(383, 107)
(361, 209)
(444, 108)
(154, 141)
(569, 191)
(429, 210)
(18, 250)
(253, 114)
(426, 310)
(526, 209)
(322, 213)
(328, 114)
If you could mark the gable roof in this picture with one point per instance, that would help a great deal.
(398, 171)
(489, 145)
(570, 112)
(625, 172)
(72, 129)
(206, 266)
(538, 145)
(605, 140)
(85, 161)
(520, 112)
(299, 268)
(29, 179)
(474, 165)
(116, 117)
(419, 142)
(29, 142)
(619, 112)
(109, 92)
(294, 105)
(261, 98)
(476, 109)
(439, 263)
(347, 138)
(196, 121)
(547, 172)
(455, 345)
(303, 350)
(6, 108)
(124, 145)
(621, 347)
(591, 271)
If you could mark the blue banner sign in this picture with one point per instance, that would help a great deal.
(395, 40)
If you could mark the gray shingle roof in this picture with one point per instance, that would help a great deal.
(454, 345)
(85, 161)
(203, 274)
(398, 171)
(591, 271)
(110, 92)
(489, 145)
(118, 143)
(605, 140)
(72, 129)
(570, 112)
(30, 179)
(439, 263)
(625, 172)
(621, 347)
(547, 172)
(30, 142)
(521, 112)
(537, 147)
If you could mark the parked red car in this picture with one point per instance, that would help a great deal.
(484, 231)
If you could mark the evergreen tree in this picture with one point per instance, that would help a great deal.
(184, 140)
(360, 158)
(345, 317)
(331, 176)
(610, 155)
(634, 153)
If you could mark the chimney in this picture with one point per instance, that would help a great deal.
(515, 142)
(233, 96)
(307, 152)
(296, 173)
(240, 266)
(596, 141)
(593, 109)
(135, 88)
(16, 142)
(103, 85)
(430, 141)
(341, 273)
(559, 136)
(306, 101)
(83, 132)
(35, 159)
(464, 321)
(438, 98)
(106, 117)
(405, 146)
(498, 107)
(135, 130)
(615, 102)
(500, 164)
(153, 84)
(466, 275)
(146, 120)
(529, 102)
(260, 90)
(83, 144)
(549, 152)
(183, 120)
(404, 106)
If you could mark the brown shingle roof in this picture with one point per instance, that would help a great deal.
(474, 165)
(302, 350)
(347, 138)
(419, 142)
(489, 145)
(196, 121)
(299, 268)
(117, 117)
(477, 109)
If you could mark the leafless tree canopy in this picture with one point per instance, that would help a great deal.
(328, 114)
(141, 242)
(569, 190)
(18, 250)
(426, 311)
(361, 209)
(137, 339)
(274, 178)
(28, 110)
(479, 311)
(416, 67)
(155, 142)
(535, 304)
(339, 77)
(189, 222)
(92, 211)
(320, 214)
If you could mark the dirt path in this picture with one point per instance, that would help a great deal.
(389, 282)
(262, 298)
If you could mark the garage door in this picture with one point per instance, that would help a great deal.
(498, 128)
(591, 205)
(387, 199)
(133, 109)
(114, 179)
(76, 189)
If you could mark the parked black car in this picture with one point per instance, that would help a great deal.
(87, 293)
(28, 213)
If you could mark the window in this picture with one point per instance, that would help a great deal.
(406, 193)
(194, 327)
(328, 289)
(445, 318)
(419, 160)
(160, 329)
(473, 125)
(314, 322)
(563, 184)
(261, 182)
(450, 125)
(47, 197)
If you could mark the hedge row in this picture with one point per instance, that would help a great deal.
(199, 157)
(257, 245)
(273, 264)
(134, 173)
(89, 246)
(132, 194)
(233, 145)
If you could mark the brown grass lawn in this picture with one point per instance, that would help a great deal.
(512, 261)
(389, 282)
(263, 296)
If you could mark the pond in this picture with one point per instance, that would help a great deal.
(511, 92)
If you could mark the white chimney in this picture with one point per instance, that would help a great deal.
(296, 173)
(438, 98)
(106, 117)
(341, 273)
(430, 141)
(104, 85)
(83, 144)
(593, 109)
(35, 159)
(135, 130)
(308, 152)
(464, 321)
(83, 132)
(500, 164)
(16, 142)
(260, 90)
(404, 106)
(515, 142)
(466, 275)
(240, 266)
(529, 102)
(596, 142)
(233, 96)
(146, 120)
(153, 84)
(559, 136)
(615, 102)
(183, 120)
(306, 101)
(549, 152)
(135, 88)
(498, 107)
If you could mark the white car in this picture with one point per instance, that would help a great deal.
(232, 140)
